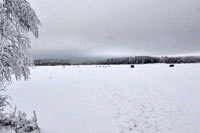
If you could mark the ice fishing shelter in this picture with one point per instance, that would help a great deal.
(132, 66)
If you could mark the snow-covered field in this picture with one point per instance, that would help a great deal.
(115, 99)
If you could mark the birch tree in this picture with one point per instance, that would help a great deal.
(17, 19)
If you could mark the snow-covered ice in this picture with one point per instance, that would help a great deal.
(115, 99)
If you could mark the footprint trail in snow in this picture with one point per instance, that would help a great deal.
(144, 112)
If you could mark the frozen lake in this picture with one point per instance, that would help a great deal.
(115, 99)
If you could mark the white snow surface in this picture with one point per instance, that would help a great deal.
(116, 99)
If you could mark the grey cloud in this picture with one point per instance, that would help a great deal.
(117, 27)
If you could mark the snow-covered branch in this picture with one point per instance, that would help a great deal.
(17, 18)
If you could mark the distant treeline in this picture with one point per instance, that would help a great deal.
(124, 60)
(149, 60)
(51, 62)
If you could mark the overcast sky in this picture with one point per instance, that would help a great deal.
(73, 28)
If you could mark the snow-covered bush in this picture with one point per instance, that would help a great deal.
(18, 122)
